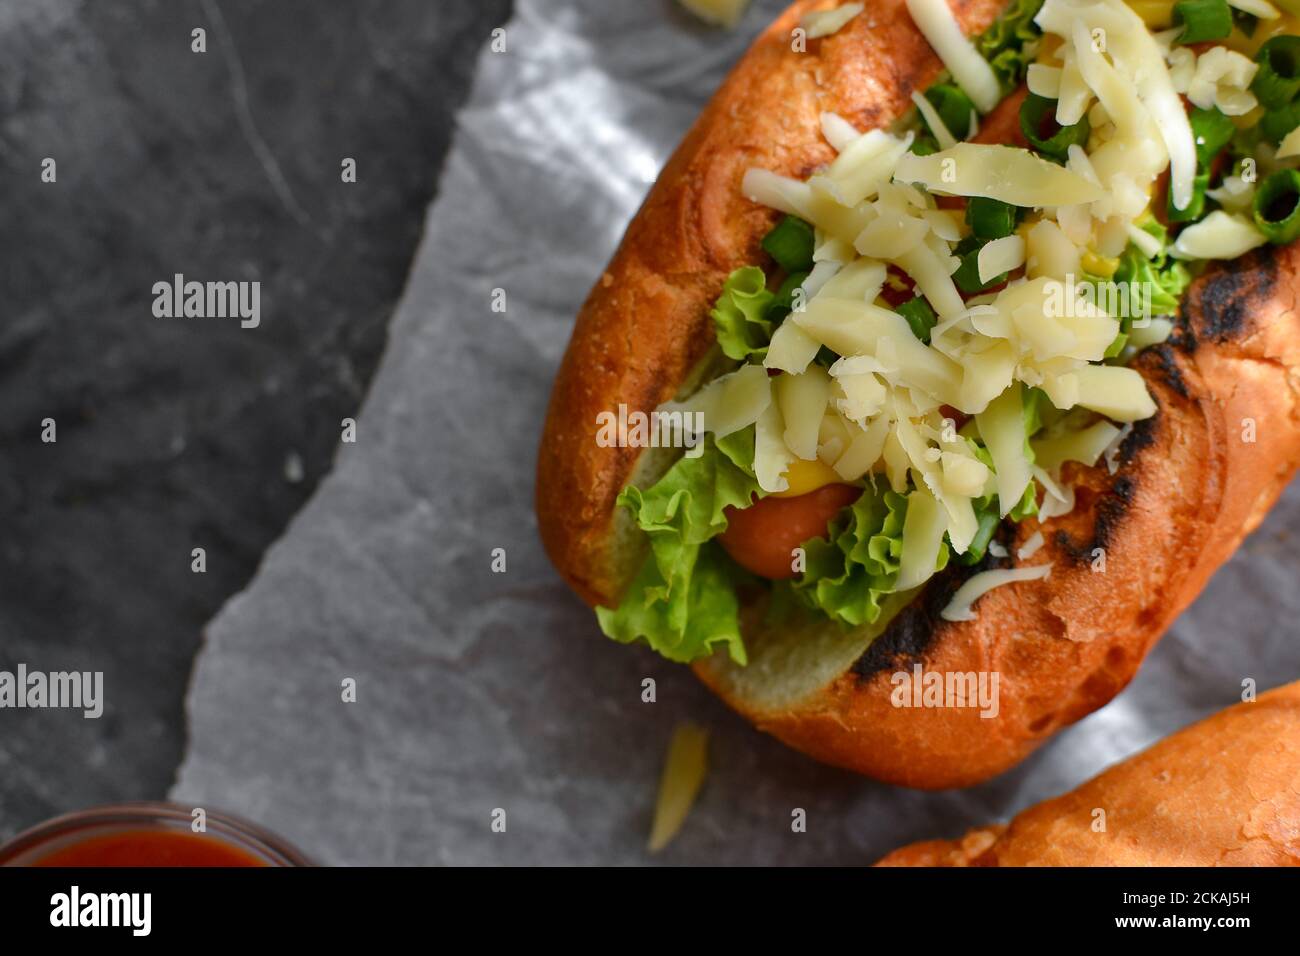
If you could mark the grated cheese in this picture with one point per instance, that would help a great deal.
(959, 608)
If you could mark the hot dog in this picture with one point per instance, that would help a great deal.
(920, 300)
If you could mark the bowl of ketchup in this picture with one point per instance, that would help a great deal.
(148, 834)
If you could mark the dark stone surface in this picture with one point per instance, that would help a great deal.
(183, 433)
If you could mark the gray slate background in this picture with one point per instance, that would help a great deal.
(176, 434)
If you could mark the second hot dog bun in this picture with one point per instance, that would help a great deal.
(1187, 491)
(1224, 792)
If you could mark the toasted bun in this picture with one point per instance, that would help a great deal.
(1188, 490)
(1224, 792)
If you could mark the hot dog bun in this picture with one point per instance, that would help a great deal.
(1187, 492)
(1223, 792)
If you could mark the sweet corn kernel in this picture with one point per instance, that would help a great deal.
(1096, 265)
(806, 476)
(1157, 14)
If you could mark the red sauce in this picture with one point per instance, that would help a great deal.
(150, 848)
(892, 294)
(959, 417)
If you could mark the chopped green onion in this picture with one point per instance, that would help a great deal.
(1246, 22)
(790, 243)
(1277, 81)
(1039, 126)
(1196, 208)
(967, 276)
(1202, 20)
(924, 145)
(1277, 122)
(825, 357)
(1035, 402)
(1117, 346)
(920, 317)
(990, 218)
(988, 526)
(1277, 206)
(1211, 131)
(954, 107)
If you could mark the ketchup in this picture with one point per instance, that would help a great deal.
(149, 848)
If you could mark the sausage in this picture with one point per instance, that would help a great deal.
(762, 537)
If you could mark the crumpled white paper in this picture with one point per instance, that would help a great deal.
(478, 691)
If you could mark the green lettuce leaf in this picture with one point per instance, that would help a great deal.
(1167, 277)
(739, 317)
(851, 570)
(683, 601)
(1163, 278)
(1011, 43)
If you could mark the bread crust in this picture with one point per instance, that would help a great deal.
(1223, 792)
(1187, 491)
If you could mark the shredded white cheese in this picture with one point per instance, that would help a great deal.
(1147, 244)
(923, 529)
(1002, 426)
(1234, 194)
(1290, 145)
(729, 403)
(791, 349)
(862, 168)
(1085, 445)
(802, 400)
(1031, 546)
(959, 608)
(1000, 255)
(1182, 67)
(1153, 332)
(771, 456)
(1132, 81)
(934, 18)
(1219, 235)
(1054, 507)
(838, 131)
(1222, 79)
(1014, 176)
(822, 23)
(684, 771)
(1044, 80)
(864, 449)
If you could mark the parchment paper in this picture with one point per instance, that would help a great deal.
(476, 690)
